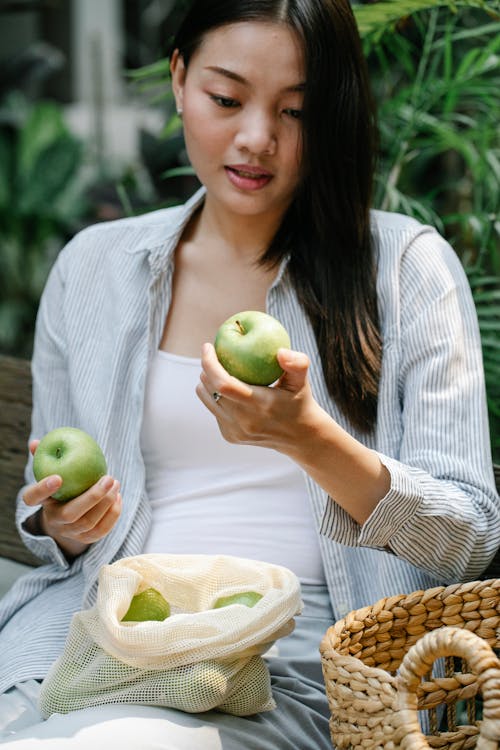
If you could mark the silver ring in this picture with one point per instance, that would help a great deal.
(216, 396)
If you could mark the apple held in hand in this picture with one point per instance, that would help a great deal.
(246, 345)
(74, 455)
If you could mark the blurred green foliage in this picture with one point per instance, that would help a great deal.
(435, 72)
(41, 201)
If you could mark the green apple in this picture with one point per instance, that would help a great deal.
(74, 455)
(248, 598)
(246, 345)
(148, 605)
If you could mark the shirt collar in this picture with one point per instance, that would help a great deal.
(160, 236)
(158, 232)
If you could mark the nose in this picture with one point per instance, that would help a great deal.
(256, 133)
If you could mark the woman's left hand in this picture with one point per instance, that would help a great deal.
(259, 415)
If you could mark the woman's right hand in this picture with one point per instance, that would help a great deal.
(78, 523)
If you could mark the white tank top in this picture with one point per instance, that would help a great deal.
(212, 497)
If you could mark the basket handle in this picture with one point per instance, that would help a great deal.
(418, 661)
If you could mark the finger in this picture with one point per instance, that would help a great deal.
(91, 520)
(296, 366)
(207, 399)
(33, 445)
(104, 524)
(103, 490)
(217, 380)
(37, 493)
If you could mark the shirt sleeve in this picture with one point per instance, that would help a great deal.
(51, 398)
(442, 512)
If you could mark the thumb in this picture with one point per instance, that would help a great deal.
(295, 365)
(33, 445)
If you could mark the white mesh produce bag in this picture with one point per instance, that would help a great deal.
(197, 659)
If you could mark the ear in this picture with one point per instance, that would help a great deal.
(178, 74)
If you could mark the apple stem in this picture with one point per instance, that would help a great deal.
(242, 330)
(58, 453)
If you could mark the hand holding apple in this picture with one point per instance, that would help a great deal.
(77, 524)
(73, 455)
(275, 417)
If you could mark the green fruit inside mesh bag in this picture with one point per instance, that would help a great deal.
(198, 659)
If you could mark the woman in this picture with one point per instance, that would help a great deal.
(377, 429)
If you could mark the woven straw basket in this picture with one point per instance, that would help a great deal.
(375, 658)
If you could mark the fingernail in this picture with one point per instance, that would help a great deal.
(52, 483)
(106, 483)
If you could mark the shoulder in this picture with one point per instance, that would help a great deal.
(160, 218)
(123, 239)
(419, 274)
(129, 234)
(416, 253)
(389, 222)
(111, 255)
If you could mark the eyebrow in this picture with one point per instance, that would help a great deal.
(240, 79)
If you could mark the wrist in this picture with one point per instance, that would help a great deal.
(34, 524)
(308, 436)
(350, 472)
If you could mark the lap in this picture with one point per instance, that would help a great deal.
(130, 727)
(299, 720)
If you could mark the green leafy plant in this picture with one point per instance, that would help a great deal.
(164, 154)
(486, 293)
(375, 19)
(435, 71)
(41, 201)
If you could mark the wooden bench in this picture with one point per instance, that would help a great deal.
(15, 421)
(15, 418)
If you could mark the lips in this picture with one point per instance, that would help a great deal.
(248, 177)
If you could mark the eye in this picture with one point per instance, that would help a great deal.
(224, 101)
(295, 113)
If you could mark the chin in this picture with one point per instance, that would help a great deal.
(254, 204)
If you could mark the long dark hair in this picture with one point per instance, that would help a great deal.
(326, 230)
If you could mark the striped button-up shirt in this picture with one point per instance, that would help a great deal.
(99, 323)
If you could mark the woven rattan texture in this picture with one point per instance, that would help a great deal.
(362, 655)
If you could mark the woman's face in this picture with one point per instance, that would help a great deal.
(241, 98)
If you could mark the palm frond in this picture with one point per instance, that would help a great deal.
(375, 19)
(486, 294)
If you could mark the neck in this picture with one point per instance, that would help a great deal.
(247, 236)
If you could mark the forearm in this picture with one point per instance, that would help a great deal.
(348, 471)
